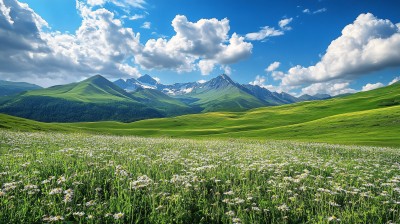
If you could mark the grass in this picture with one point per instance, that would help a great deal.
(366, 118)
(84, 178)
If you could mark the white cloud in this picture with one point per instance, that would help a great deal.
(146, 25)
(320, 10)
(205, 42)
(268, 31)
(396, 79)
(206, 66)
(331, 88)
(136, 17)
(100, 45)
(265, 32)
(259, 81)
(273, 66)
(201, 81)
(277, 75)
(121, 3)
(96, 2)
(369, 44)
(227, 69)
(6, 12)
(157, 79)
(370, 86)
(283, 24)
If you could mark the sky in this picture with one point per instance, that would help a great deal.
(300, 47)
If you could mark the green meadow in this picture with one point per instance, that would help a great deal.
(86, 178)
(366, 118)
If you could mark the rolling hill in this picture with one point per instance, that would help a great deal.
(370, 118)
(11, 88)
(93, 99)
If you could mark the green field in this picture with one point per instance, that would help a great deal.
(83, 178)
(366, 118)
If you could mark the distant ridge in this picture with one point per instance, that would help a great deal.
(8, 88)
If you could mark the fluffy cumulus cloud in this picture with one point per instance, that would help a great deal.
(259, 81)
(273, 66)
(103, 45)
(370, 86)
(202, 44)
(100, 45)
(332, 88)
(368, 44)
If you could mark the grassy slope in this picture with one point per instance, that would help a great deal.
(359, 118)
(10, 88)
(230, 98)
(93, 90)
(161, 101)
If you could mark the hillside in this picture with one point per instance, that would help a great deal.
(223, 94)
(94, 99)
(11, 88)
(370, 118)
(162, 102)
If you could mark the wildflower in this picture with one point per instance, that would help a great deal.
(236, 220)
(334, 204)
(255, 208)
(118, 216)
(61, 180)
(333, 219)
(90, 217)
(141, 182)
(55, 218)
(90, 203)
(79, 214)
(69, 191)
(229, 193)
(67, 198)
(2, 193)
(283, 208)
(230, 213)
(56, 191)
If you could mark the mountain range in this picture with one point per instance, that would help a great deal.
(98, 99)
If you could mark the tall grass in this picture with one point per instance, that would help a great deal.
(85, 178)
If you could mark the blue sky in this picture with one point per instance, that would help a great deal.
(181, 41)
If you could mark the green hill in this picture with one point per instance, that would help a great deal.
(93, 99)
(371, 118)
(95, 89)
(11, 88)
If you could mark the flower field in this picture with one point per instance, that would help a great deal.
(82, 178)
